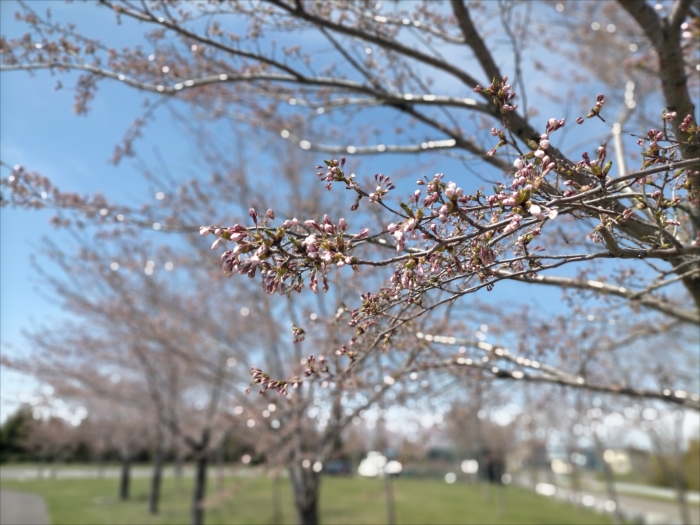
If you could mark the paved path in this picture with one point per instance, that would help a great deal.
(19, 508)
(654, 512)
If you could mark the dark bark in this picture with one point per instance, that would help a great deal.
(125, 478)
(305, 488)
(200, 487)
(154, 496)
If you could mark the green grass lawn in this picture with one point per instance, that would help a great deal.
(343, 501)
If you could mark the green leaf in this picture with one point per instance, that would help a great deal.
(407, 209)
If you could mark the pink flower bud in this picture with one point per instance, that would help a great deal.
(539, 154)
(327, 219)
(392, 227)
(544, 144)
(205, 230)
(270, 214)
(253, 215)
(478, 89)
(518, 163)
(536, 211)
(343, 224)
(579, 120)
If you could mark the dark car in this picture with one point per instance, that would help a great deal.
(337, 467)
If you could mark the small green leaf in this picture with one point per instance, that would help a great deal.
(407, 209)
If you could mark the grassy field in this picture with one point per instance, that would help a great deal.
(343, 501)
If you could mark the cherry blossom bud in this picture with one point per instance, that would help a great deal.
(216, 244)
(449, 192)
(392, 227)
(205, 230)
(670, 115)
(478, 89)
(363, 233)
(295, 221)
(329, 228)
(539, 154)
(327, 219)
(579, 120)
(270, 214)
(518, 163)
(544, 144)
(253, 215)
(312, 223)
(398, 235)
(342, 223)
(286, 224)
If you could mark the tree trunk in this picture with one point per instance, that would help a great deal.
(389, 493)
(154, 496)
(200, 487)
(125, 478)
(305, 487)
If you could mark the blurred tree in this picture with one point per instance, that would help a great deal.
(13, 435)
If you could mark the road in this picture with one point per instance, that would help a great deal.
(19, 508)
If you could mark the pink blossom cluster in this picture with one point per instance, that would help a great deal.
(261, 378)
(501, 92)
(279, 253)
